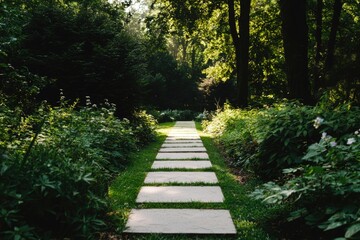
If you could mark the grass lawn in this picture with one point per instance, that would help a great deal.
(249, 215)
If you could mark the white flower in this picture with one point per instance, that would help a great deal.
(351, 141)
(357, 132)
(323, 135)
(317, 122)
(333, 144)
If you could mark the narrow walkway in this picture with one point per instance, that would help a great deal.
(183, 149)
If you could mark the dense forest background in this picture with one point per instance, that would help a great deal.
(179, 55)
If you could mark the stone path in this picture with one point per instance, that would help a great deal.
(182, 150)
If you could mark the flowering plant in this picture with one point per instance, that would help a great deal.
(326, 185)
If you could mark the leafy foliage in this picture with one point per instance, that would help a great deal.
(174, 115)
(56, 166)
(325, 186)
(320, 178)
(271, 139)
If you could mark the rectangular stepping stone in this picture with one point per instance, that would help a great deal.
(183, 138)
(180, 221)
(180, 145)
(180, 194)
(187, 155)
(184, 130)
(179, 149)
(181, 164)
(182, 141)
(181, 177)
(183, 133)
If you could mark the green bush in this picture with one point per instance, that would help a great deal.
(143, 126)
(326, 187)
(311, 154)
(271, 139)
(56, 166)
(175, 115)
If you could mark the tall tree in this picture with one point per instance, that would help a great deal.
(318, 39)
(295, 38)
(329, 61)
(241, 44)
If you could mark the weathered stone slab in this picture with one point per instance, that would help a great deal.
(187, 155)
(183, 138)
(181, 164)
(182, 141)
(181, 177)
(180, 194)
(181, 145)
(180, 221)
(184, 123)
(182, 149)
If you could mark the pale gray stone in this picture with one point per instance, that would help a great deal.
(182, 141)
(181, 164)
(183, 149)
(180, 194)
(183, 138)
(195, 155)
(181, 145)
(180, 221)
(181, 177)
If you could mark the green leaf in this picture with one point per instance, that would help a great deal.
(334, 225)
(352, 230)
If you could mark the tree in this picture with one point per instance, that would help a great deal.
(295, 38)
(318, 39)
(241, 44)
(329, 61)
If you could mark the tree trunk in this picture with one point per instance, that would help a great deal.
(295, 38)
(318, 38)
(244, 30)
(329, 61)
(241, 44)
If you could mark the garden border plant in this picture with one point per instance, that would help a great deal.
(56, 165)
(281, 144)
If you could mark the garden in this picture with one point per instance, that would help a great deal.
(89, 90)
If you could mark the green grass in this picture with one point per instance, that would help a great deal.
(248, 214)
(123, 191)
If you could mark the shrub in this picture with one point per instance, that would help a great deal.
(176, 115)
(326, 186)
(56, 166)
(269, 140)
(143, 126)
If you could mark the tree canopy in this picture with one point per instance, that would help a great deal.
(179, 54)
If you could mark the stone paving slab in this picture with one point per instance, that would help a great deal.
(181, 164)
(182, 141)
(181, 145)
(181, 177)
(180, 194)
(183, 149)
(183, 138)
(187, 155)
(180, 221)
(184, 130)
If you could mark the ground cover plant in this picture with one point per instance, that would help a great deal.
(309, 155)
(56, 165)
